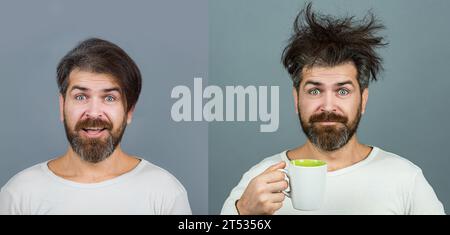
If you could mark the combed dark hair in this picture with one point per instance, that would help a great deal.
(327, 41)
(100, 56)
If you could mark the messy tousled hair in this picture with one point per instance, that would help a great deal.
(324, 40)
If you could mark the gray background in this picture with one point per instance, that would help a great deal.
(168, 40)
(407, 111)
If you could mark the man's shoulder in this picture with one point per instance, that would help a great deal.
(26, 179)
(394, 162)
(159, 178)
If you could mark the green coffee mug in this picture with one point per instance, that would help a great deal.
(307, 181)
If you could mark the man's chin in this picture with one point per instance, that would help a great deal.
(95, 152)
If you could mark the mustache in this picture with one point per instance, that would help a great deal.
(328, 117)
(93, 123)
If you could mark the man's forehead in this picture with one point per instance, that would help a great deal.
(91, 81)
(330, 75)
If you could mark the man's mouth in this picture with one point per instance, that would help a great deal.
(327, 123)
(94, 131)
(324, 124)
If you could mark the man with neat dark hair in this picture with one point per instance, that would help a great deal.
(99, 86)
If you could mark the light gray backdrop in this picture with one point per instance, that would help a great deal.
(407, 111)
(168, 40)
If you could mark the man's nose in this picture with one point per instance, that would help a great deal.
(328, 103)
(94, 109)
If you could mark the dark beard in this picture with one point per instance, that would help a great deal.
(94, 150)
(330, 138)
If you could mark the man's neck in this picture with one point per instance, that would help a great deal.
(350, 154)
(71, 167)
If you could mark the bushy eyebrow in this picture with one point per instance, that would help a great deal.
(79, 88)
(112, 89)
(345, 83)
(337, 84)
(76, 87)
(313, 83)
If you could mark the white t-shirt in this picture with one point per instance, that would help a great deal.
(147, 189)
(383, 183)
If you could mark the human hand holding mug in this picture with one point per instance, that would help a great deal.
(264, 194)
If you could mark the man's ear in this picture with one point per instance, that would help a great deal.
(364, 97)
(130, 115)
(61, 107)
(295, 95)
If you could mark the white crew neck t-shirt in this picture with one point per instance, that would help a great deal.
(147, 189)
(383, 183)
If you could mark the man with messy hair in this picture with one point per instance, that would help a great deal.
(331, 62)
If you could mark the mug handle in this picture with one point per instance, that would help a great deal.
(288, 179)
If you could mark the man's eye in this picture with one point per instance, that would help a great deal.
(110, 98)
(343, 92)
(80, 97)
(314, 91)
